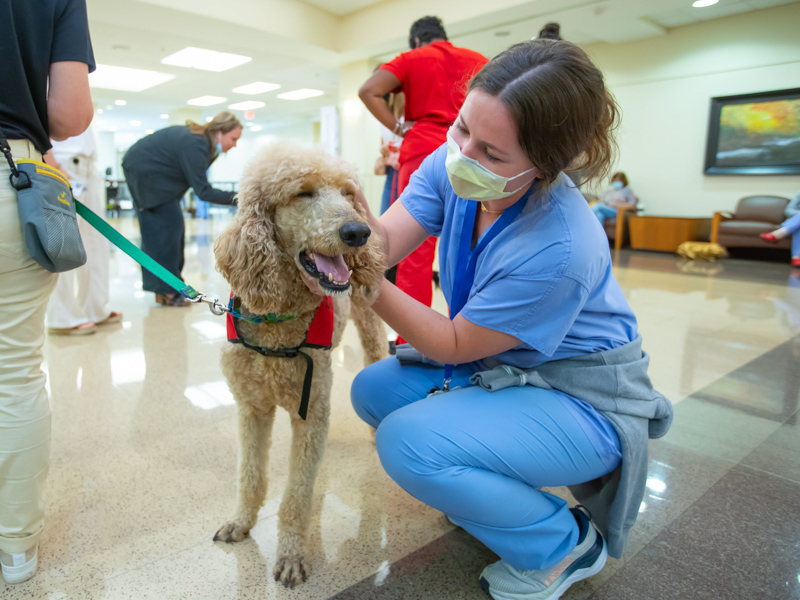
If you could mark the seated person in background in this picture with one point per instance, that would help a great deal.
(789, 227)
(617, 196)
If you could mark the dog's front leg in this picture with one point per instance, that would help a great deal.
(255, 430)
(308, 445)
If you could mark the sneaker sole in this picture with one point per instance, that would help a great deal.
(14, 575)
(556, 593)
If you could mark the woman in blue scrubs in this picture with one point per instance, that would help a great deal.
(546, 384)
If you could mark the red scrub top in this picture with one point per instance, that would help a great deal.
(434, 79)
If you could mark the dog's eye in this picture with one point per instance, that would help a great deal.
(305, 195)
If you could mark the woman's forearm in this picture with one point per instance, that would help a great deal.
(430, 332)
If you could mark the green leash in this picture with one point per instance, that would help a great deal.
(124, 244)
(177, 284)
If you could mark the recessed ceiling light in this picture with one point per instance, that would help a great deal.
(702, 3)
(300, 94)
(125, 79)
(136, 123)
(99, 111)
(206, 60)
(120, 102)
(247, 105)
(206, 100)
(209, 119)
(149, 131)
(259, 87)
(164, 116)
(256, 128)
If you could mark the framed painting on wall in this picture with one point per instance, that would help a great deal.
(754, 134)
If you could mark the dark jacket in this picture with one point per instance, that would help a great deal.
(161, 167)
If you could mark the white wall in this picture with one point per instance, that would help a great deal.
(230, 166)
(664, 86)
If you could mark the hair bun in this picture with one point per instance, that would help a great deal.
(551, 31)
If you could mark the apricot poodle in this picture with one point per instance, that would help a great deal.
(297, 216)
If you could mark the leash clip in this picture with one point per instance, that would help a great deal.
(215, 306)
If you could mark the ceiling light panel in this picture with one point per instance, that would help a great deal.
(300, 94)
(126, 80)
(258, 87)
(247, 105)
(206, 101)
(206, 60)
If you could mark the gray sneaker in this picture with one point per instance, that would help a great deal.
(503, 582)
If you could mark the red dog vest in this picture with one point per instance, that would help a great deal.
(319, 335)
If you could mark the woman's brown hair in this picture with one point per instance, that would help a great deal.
(558, 100)
(221, 123)
(622, 177)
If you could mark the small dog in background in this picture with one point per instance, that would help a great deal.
(297, 216)
(702, 251)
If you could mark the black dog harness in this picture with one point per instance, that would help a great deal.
(319, 335)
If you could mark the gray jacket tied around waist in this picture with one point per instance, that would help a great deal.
(615, 383)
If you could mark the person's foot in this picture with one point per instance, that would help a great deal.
(503, 582)
(114, 317)
(20, 567)
(796, 261)
(82, 329)
(172, 300)
(769, 237)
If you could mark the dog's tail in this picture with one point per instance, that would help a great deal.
(371, 332)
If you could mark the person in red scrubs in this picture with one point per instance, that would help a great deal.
(434, 77)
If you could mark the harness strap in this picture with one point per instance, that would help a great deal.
(284, 353)
(287, 353)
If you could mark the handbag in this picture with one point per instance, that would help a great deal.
(46, 213)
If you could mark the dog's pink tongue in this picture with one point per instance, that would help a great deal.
(334, 265)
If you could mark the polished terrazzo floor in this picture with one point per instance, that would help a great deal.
(144, 445)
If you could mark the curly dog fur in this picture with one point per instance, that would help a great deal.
(293, 202)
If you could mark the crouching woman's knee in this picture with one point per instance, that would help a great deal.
(399, 440)
(365, 394)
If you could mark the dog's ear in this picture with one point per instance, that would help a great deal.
(247, 256)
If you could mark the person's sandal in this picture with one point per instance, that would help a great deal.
(114, 317)
(82, 329)
(172, 300)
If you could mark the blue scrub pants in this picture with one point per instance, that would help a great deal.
(481, 457)
(603, 211)
(792, 224)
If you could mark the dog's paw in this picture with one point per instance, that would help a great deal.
(235, 531)
(291, 571)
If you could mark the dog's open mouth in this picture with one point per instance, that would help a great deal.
(331, 271)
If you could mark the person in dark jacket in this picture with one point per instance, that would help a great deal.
(159, 170)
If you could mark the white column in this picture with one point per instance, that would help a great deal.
(360, 132)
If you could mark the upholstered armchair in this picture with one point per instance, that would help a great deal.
(753, 215)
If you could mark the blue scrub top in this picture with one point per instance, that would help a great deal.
(546, 279)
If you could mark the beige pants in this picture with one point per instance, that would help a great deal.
(24, 408)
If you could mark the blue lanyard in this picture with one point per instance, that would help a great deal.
(464, 275)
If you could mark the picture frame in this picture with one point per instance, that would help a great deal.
(754, 134)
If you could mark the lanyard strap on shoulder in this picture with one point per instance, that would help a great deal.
(467, 261)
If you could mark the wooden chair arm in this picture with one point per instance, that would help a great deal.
(719, 217)
(620, 225)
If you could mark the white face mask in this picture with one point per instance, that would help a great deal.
(472, 181)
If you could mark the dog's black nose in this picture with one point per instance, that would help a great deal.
(354, 233)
